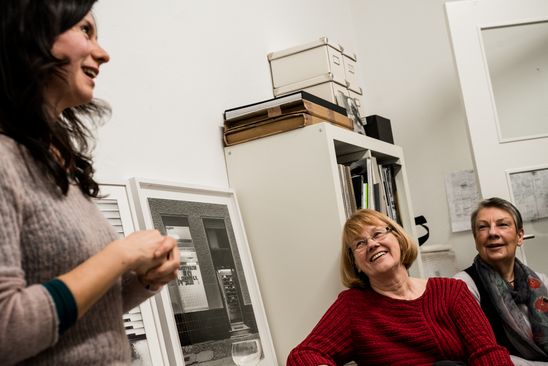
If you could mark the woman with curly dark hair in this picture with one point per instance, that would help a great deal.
(65, 278)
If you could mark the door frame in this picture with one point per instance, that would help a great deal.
(493, 158)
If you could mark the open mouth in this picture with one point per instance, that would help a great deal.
(377, 256)
(92, 73)
(494, 246)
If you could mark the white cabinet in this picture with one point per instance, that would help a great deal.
(290, 197)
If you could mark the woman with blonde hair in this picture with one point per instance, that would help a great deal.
(387, 317)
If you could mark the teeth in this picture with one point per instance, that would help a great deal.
(376, 256)
(89, 72)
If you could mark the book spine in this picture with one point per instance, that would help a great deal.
(391, 178)
(370, 184)
(344, 190)
(349, 190)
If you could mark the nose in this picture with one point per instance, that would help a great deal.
(100, 54)
(493, 230)
(371, 244)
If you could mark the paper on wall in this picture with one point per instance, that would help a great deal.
(530, 191)
(462, 196)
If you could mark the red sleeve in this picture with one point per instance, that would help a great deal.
(477, 334)
(330, 342)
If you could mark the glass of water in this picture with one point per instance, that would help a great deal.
(246, 353)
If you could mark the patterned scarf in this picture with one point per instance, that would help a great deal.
(531, 341)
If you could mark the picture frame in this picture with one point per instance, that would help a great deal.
(352, 111)
(145, 338)
(212, 314)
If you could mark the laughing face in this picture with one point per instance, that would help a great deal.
(377, 251)
(496, 236)
(80, 48)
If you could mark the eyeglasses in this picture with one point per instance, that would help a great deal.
(361, 244)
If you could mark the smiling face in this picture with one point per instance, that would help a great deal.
(377, 251)
(80, 48)
(497, 237)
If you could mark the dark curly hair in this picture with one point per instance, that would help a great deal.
(61, 144)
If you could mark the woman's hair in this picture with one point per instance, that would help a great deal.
(353, 229)
(28, 29)
(499, 203)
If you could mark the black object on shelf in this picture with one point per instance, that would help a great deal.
(379, 127)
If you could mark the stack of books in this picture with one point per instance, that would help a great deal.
(280, 114)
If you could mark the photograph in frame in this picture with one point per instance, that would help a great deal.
(352, 111)
(140, 324)
(212, 313)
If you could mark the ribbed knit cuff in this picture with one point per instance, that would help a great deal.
(67, 312)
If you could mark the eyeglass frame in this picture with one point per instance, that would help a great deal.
(379, 236)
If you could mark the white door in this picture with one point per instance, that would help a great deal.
(501, 53)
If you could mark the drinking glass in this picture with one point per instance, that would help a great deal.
(246, 353)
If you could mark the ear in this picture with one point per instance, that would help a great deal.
(521, 235)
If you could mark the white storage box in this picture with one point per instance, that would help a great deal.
(323, 86)
(349, 62)
(305, 62)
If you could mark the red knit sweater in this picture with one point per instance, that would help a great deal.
(445, 323)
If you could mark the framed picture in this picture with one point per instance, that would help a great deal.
(212, 314)
(140, 322)
(352, 111)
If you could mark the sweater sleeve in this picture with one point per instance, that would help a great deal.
(469, 283)
(330, 342)
(28, 319)
(65, 304)
(133, 292)
(476, 333)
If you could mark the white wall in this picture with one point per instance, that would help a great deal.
(177, 65)
(409, 77)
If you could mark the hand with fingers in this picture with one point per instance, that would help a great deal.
(144, 250)
(166, 271)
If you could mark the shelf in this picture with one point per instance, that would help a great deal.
(290, 196)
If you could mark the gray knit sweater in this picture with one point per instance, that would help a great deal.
(44, 234)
